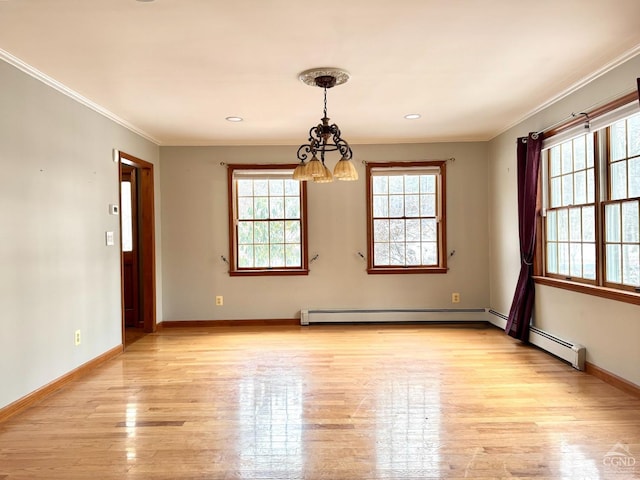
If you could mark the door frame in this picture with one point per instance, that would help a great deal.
(146, 239)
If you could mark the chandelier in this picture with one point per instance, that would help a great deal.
(324, 137)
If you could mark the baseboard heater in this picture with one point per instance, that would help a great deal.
(574, 353)
(393, 315)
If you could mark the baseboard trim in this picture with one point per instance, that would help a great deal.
(612, 379)
(43, 392)
(229, 323)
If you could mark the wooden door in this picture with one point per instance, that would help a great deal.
(130, 246)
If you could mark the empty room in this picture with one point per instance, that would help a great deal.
(324, 241)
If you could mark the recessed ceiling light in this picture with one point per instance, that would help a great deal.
(234, 119)
(412, 116)
(145, 1)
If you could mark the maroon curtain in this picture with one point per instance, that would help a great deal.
(528, 167)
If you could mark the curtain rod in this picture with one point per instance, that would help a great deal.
(593, 110)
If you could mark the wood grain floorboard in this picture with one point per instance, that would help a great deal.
(327, 402)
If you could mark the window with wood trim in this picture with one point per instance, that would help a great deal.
(267, 221)
(406, 217)
(591, 199)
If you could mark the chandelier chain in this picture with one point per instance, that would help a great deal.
(325, 102)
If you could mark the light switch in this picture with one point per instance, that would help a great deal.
(110, 240)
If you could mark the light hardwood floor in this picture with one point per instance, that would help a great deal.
(328, 402)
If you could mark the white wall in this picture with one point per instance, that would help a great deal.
(610, 330)
(56, 274)
(195, 236)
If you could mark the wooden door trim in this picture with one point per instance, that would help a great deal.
(147, 237)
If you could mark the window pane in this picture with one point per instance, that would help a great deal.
(276, 187)
(261, 188)
(575, 252)
(380, 185)
(567, 190)
(381, 253)
(554, 161)
(614, 270)
(396, 184)
(381, 231)
(261, 232)
(556, 192)
(612, 221)
(245, 232)
(563, 258)
(575, 225)
(245, 256)
(430, 253)
(413, 230)
(630, 265)
(380, 206)
(396, 231)
(245, 188)
(428, 183)
(276, 232)
(634, 176)
(589, 261)
(580, 187)
(588, 224)
(292, 207)
(292, 232)
(563, 225)
(618, 140)
(245, 208)
(567, 157)
(579, 154)
(552, 257)
(396, 205)
(261, 256)
(413, 253)
(633, 135)
(396, 254)
(293, 256)
(590, 150)
(428, 205)
(630, 222)
(276, 205)
(412, 184)
(591, 186)
(552, 227)
(618, 180)
(412, 205)
(292, 188)
(429, 230)
(261, 207)
(276, 256)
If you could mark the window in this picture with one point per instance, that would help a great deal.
(267, 221)
(591, 195)
(406, 217)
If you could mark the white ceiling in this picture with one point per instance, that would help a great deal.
(174, 69)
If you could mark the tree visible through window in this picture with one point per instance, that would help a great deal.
(406, 217)
(592, 224)
(267, 220)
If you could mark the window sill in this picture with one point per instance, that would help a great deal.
(604, 292)
(273, 272)
(405, 270)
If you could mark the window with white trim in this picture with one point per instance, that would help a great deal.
(406, 217)
(267, 224)
(591, 200)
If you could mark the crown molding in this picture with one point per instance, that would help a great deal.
(616, 62)
(56, 85)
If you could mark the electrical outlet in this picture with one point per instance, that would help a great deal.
(219, 300)
(455, 297)
(77, 338)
